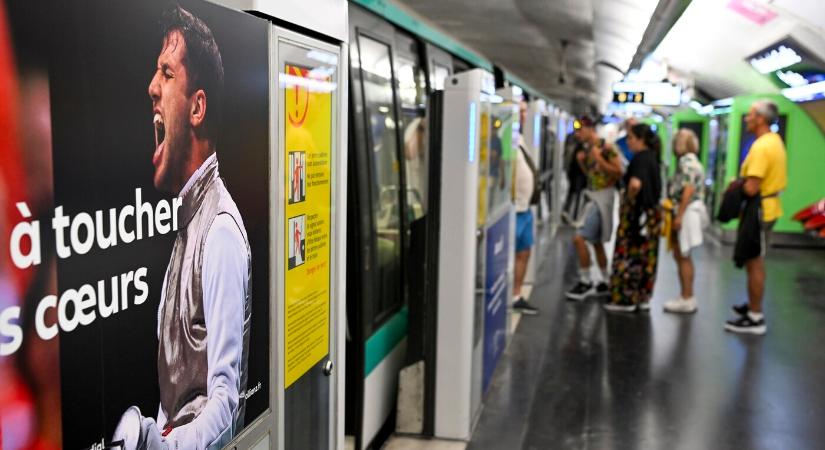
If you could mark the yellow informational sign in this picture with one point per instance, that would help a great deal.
(483, 167)
(308, 125)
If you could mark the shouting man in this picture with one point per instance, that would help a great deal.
(204, 311)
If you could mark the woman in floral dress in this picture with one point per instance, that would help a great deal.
(640, 217)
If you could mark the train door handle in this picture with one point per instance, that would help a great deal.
(328, 366)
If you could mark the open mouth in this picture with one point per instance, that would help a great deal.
(160, 136)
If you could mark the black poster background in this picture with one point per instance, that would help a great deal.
(101, 56)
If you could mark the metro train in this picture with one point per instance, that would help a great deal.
(395, 67)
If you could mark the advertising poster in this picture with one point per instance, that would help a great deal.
(495, 297)
(308, 141)
(134, 231)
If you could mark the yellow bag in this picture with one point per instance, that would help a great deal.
(667, 225)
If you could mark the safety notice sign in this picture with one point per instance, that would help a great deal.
(308, 128)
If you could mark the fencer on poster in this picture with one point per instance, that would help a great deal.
(134, 227)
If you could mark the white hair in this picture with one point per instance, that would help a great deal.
(767, 109)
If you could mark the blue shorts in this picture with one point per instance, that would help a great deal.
(524, 230)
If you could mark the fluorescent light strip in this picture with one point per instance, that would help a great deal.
(287, 81)
(806, 92)
(472, 152)
(776, 59)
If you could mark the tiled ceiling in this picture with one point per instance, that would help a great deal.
(526, 37)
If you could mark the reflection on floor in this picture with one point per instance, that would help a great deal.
(575, 377)
(409, 443)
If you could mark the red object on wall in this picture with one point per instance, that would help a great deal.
(810, 211)
(815, 223)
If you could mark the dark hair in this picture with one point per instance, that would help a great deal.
(202, 60)
(587, 121)
(650, 138)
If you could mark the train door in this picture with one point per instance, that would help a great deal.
(555, 150)
(388, 200)
(411, 86)
(717, 164)
(546, 165)
(423, 185)
(550, 167)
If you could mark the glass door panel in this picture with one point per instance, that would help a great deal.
(307, 119)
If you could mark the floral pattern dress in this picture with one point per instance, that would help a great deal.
(636, 255)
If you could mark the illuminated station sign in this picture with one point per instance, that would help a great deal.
(791, 67)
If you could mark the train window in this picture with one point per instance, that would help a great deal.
(376, 73)
(439, 77)
(412, 89)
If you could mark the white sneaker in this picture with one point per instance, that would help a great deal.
(682, 306)
(644, 306)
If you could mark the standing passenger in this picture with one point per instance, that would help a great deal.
(622, 141)
(524, 186)
(601, 163)
(687, 206)
(640, 218)
(765, 174)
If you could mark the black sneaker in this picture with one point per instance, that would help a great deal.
(581, 291)
(602, 290)
(742, 309)
(521, 305)
(745, 324)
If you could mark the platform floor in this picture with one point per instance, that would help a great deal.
(576, 377)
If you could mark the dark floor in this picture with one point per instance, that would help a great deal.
(576, 377)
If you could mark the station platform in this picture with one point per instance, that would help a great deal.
(577, 377)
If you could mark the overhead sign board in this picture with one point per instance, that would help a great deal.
(791, 67)
(628, 97)
(648, 93)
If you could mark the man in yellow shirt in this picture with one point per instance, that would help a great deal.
(765, 173)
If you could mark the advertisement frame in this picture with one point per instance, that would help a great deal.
(260, 431)
(337, 256)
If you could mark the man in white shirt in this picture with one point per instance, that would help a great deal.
(204, 312)
(524, 185)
